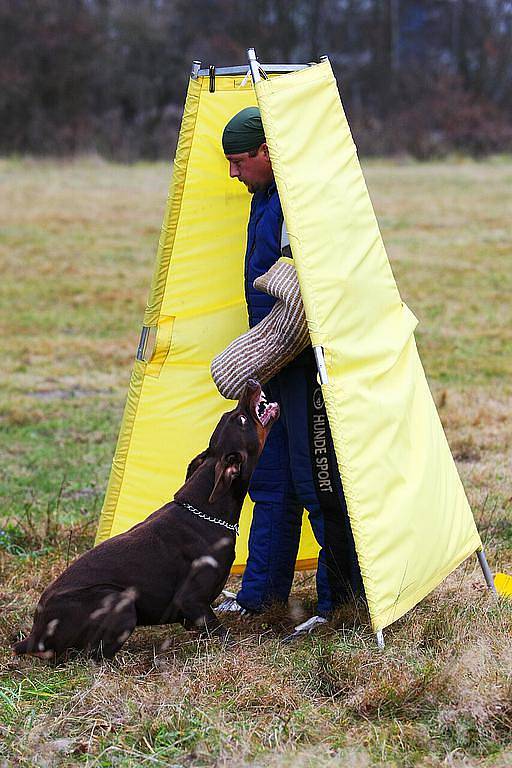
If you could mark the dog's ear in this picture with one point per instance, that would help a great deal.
(226, 469)
(195, 463)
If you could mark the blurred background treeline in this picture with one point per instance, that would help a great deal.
(423, 77)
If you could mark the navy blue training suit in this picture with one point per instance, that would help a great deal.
(298, 465)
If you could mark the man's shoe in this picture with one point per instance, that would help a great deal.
(305, 628)
(231, 605)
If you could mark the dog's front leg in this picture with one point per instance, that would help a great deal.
(194, 596)
(210, 626)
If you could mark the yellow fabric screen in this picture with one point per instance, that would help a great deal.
(197, 307)
(411, 520)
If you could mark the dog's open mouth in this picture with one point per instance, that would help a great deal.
(266, 411)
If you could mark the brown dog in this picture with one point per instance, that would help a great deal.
(169, 568)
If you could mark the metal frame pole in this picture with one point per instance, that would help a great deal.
(484, 565)
(254, 65)
(320, 363)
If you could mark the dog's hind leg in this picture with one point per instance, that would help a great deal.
(112, 627)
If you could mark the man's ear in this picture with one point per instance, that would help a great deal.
(226, 469)
(195, 463)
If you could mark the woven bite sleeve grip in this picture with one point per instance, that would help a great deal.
(266, 348)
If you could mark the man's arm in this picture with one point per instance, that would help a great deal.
(266, 348)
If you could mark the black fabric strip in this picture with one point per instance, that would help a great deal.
(342, 566)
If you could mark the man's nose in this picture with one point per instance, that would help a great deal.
(233, 171)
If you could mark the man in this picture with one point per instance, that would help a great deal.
(298, 466)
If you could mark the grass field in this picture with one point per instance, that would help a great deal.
(77, 244)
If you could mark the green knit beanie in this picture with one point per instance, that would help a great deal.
(243, 132)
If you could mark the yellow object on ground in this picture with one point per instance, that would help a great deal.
(196, 306)
(411, 520)
(503, 584)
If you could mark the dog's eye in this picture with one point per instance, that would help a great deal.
(242, 420)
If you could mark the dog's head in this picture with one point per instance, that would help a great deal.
(237, 441)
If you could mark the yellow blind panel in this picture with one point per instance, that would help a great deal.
(411, 520)
(197, 307)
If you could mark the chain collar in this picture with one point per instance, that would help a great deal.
(216, 520)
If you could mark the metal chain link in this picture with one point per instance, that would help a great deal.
(216, 520)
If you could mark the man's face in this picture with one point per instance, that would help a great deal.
(254, 169)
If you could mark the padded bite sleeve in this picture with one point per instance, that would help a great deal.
(265, 349)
